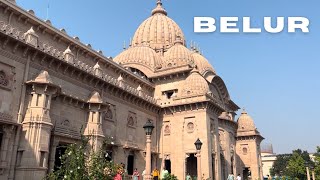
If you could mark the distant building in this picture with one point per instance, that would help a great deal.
(267, 159)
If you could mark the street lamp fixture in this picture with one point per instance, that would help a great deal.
(148, 128)
(307, 167)
(198, 144)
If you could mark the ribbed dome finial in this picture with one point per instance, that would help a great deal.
(159, 9)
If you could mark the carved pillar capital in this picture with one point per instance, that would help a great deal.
(8, 130)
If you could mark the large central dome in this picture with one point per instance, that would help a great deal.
(158, 31)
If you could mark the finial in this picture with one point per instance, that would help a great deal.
(139, 88)
(178, 40)
(120, 78)
(159, 9)
(244, 111)
(130, 42)
(96, 66)
(68, 50)
(194, 46)
(124, 45)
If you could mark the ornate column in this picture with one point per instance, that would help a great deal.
(36, 129)
(93, 128)
(5, 154)
(148, 127)
(148, 158)
(199, 165)
(52, 157)
(8, 130)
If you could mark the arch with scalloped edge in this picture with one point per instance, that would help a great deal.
(221, 86)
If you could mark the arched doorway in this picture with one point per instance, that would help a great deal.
(167, 165)
(246, 173)
(130, 164)
(192, 165)
(60, 151)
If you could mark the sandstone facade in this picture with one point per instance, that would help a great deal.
(52, 86)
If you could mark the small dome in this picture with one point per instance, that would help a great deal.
(245, 122)
(202, 64)
(195, 84)
(178, 55)
(140, 55)
(159, 31)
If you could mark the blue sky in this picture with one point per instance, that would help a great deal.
(274, 76)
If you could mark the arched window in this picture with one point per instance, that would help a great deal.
(138, 73)
(3, 79)
(130, 122)
(108, 115)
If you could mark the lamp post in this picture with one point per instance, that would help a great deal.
(198, 145)
(148, 128)
(307, 167)
(312, 171)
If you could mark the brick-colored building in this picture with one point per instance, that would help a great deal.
(52, 86)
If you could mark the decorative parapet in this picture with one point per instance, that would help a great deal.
(97, 70)
(46, 26)
(68, 55)
(31, 38)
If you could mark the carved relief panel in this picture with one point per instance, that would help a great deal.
(131, 126)
(110, 113)
(190, 124)
(244, 149)
(7, 79)
(166, 128)
(222, 139)
(110, 121)
(63, 126)
(6, 76)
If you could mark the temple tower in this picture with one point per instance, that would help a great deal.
(248, 148)
(36, 129)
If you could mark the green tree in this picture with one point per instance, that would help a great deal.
(317, 163)
(306, 156)
(292, 165)
(280, 165)
(296, 167)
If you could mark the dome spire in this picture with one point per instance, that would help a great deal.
(159, 9)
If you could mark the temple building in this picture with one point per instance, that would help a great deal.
(53, 88)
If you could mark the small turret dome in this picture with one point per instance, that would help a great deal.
(195, 85)
(245, 122)
(178, 55)
(144, 57)
(202, 64)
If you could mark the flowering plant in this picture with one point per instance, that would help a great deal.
(79, 163)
